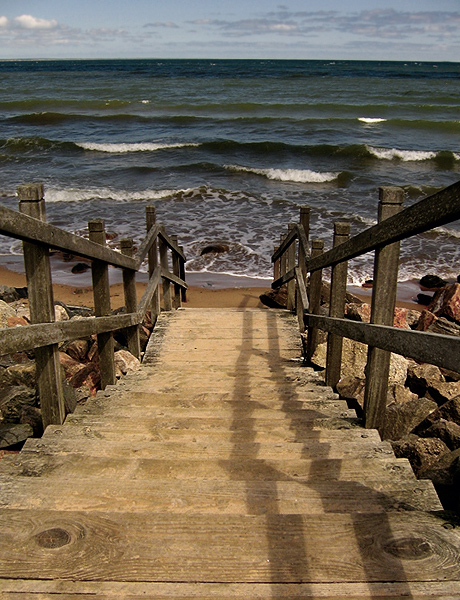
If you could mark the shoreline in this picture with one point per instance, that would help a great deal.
(206, 290)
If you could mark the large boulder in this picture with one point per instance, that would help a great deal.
(12, 401)
(449, 411)
(421, 377)
(447, 431)
(401, 419)
(446, 302)
(125, 362)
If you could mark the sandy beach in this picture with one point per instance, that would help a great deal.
(205, 290)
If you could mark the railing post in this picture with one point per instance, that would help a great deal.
(316, 283)
(283, 259)
(276, 266)
(183, 291)
(164, 265)
(177, 302)
(386, 264)
(339, 275)
(41, 303)
(101, 291)
(153, 262)
(129, 288)
(302, 262)
(291, 256)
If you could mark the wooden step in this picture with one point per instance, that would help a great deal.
(217, 497)
(334, 547)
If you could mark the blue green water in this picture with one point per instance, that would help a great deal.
(228, 150)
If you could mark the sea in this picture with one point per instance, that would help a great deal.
(229, 150)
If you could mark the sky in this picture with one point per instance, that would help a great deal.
(415, 30)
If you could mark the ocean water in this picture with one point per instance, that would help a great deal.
(229, 150)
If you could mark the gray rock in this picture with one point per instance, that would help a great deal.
(421, 377)
(5, 311)
(14, 434)
(401, 419)
(13, 399)
(449, 411)
(442, 391)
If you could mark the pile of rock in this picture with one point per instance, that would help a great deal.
(20, 415)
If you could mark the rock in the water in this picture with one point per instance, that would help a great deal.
(215, 249)
(401, 419)
(422, 453)
(431, 282)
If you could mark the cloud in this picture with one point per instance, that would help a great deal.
(30, 22)
(168, 25)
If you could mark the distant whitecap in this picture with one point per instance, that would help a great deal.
(294, 175)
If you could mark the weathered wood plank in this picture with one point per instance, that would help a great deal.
(103, 546)
(19, 589)
(217, 497)
(436, 349)
(171, 244)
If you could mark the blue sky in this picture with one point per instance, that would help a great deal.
(326, 29)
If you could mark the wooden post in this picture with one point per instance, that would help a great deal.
(129, 288)
(336, 307)
(316, 283)
(177, 302)
(101, 292)
(166, 284)
(276, 266)
(305, 223)
(183, 291)
(291, 256)
(41, 304)
(153, 262)
(386, 264)
(283, 259)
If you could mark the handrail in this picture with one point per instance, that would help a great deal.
(44, 334)
(381, 337)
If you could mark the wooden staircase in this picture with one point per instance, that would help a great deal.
(223, 469)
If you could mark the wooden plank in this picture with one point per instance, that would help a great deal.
(314, 300)
(148, 242)
(14, 589)
(173, 278)
(217, 497)
(130, 294)
(335, 548)
(170, 243)
(434, 211)
(29, 229)
(433, 348)
(290, 237)
(286, 278)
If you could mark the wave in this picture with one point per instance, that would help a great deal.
(371, 120)
(123, 148)
(109, 194)
(404, 155)
(293, 175)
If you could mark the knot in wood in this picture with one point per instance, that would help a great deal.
(408, 548)
(53, 538)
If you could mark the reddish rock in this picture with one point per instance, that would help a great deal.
(446, 302)
(425, 321)
(78, 349)
(358, 312)
(16, 321)
(70, 365)
(88, 375)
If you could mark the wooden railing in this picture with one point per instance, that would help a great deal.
(381, 337)
(44, 334)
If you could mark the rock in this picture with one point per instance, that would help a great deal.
(60, 313)
(70, 398)
(431, 282)
(424, 299)
(354, 360)
(12, 294)
(421, 377)
(449, 411)
(70, 365)
(16, 322)
(441, 392)
(275, 298)
(13, 434)
(125, 362)
(399, 394)
(368, 284)
(430, 322)
(447, 431)
(446, 302)
(358, 312)
(401, 419)
(6, 311)
(215, 249)
(31, 415)
(422, 453)
(12, 400)
(79, 268)
(445, 471)
(89, 375)
(77, 349)
(352, 388)
(23, 374)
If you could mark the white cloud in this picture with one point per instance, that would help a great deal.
(30, 22)
(4, 22)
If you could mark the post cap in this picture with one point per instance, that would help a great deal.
(30, 192)
(96, 225)
(341, 228)
(391, 195)
(317, 244)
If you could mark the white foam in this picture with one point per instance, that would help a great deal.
(404, 155)
(82, 195)
(294, 175)
(126, 148)
(371, 120)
